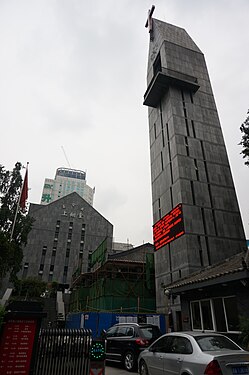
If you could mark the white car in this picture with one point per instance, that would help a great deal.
(193, 353)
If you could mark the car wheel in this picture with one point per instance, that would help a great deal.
(143, 369)
(130, 361)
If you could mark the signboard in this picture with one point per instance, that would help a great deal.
(16, 346)
(97, 351)
(97, 357)
(168, 228)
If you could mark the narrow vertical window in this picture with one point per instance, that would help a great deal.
(193, 128)
(187, 147)
(162, 160)
(155, 131)
(192, 191)
(163, 137)
(161, 117)
(170, 264)
(159, 208)
(183, 99)
(206, 170)
(204, 220)
(187, 127)
(171, 173)
(202, 150)
(196, 169)
(200, 250)
(25, 270)
(167, 131)
(214, 221)
(208, 250)
(171, 196)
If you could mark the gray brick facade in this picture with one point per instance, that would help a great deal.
(189, 163)
(63, 234)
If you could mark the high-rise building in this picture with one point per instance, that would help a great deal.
(196, 216)
(66, 181)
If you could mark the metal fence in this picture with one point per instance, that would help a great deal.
(63, 352)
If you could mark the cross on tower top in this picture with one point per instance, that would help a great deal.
(149, 23)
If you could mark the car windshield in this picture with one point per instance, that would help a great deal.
(211, 343)
(152, 332)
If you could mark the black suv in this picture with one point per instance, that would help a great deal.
(125, 341)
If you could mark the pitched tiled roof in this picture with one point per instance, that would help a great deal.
(237, 263)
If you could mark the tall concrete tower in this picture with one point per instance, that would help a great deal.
(196, 216)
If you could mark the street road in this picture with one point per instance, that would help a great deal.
(117, 370)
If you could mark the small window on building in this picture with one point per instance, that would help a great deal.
(196, 315)
(219, 313)
(231, 314)
(25, 270)
(207, 315)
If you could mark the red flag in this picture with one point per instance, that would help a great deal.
(24, 193)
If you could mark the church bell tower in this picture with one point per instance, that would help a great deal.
(196, 216)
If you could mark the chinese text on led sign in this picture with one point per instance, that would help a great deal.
(168, 228)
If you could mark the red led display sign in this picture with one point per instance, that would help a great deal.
(16, 346)
(168, 228)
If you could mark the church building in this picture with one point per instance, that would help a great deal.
(64, 234)
(197, 221)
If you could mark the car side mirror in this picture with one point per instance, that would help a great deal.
(103, 334)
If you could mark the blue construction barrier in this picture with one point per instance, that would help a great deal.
(97, 321)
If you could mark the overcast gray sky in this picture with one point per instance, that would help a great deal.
(73, 74)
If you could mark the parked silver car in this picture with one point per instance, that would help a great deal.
(193, 353)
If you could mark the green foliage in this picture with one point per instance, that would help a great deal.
(2, 313)
(31, 287)
(244, 328)
(244, 128)
(52, 288)
(11, 250)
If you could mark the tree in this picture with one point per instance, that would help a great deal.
(30, 287)
(11, 248)
(244, 128)
(2, 313)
